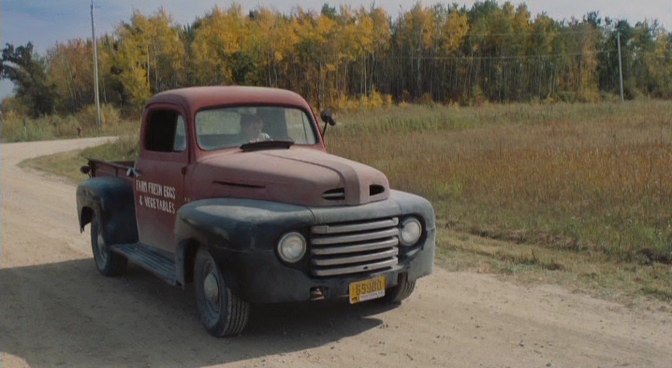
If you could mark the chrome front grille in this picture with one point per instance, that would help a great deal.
(343, 249)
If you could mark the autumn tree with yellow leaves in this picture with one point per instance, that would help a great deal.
(442, 53)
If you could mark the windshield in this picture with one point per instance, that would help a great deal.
(234, 126)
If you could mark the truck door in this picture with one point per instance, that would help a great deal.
(159, 184)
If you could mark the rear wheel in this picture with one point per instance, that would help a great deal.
(401, 291)
(221, 312)
(107, 262)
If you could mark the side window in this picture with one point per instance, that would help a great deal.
(166, 132)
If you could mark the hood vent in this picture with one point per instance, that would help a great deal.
(239, 185)
(376, 189)
(337, 194)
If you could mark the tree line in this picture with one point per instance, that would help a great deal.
(442, 53)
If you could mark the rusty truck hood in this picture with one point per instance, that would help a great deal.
(298, 175)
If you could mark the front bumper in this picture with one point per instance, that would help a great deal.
(263, 278)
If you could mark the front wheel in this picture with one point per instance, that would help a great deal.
(107, 262)
(222, 312)
(401, 291)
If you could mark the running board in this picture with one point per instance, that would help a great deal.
(148, 259)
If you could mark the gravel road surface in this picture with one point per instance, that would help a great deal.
(56, 310)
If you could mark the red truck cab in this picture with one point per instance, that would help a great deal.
(234, 191)
(177, 158)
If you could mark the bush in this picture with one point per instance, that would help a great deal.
(21, 129)
(88, 116)
(17, 127)
(373, 101)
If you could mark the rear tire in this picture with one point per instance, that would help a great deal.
(222, 312)
(107, 262)
(401, 291)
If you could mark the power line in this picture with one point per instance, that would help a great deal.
(533, 33)
(504, 57)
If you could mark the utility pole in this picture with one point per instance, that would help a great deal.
(620, 63)
(95, 67)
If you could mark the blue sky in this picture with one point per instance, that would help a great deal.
(46, 22)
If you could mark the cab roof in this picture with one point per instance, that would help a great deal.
(193, 99)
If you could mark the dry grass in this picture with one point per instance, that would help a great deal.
(17, 128)
(593, 273)
(589, 178)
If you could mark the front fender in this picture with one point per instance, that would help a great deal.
(242, 235)
(236, 228)
(111, 199)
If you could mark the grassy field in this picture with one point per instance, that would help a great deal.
(579, 194)
(583, 190)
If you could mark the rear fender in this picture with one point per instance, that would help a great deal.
(111, 199)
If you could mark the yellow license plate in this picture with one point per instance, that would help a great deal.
(361, 291)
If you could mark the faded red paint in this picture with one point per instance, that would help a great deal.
(297, 175)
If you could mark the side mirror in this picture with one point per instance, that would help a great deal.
(328, 118)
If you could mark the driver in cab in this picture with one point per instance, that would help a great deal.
(252, 128)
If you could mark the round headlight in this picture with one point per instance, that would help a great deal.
(292, 247)
(411, 230)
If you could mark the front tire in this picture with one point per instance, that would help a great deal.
(107, 262)
(221, 312)
(401, 291)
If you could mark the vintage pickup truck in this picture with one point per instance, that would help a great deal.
(234, 191)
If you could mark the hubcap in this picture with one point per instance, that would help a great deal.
(211, 289)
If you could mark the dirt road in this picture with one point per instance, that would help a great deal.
(56, 310)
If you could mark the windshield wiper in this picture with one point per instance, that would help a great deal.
(265, 145)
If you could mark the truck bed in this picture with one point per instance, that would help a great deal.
(110, 168)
